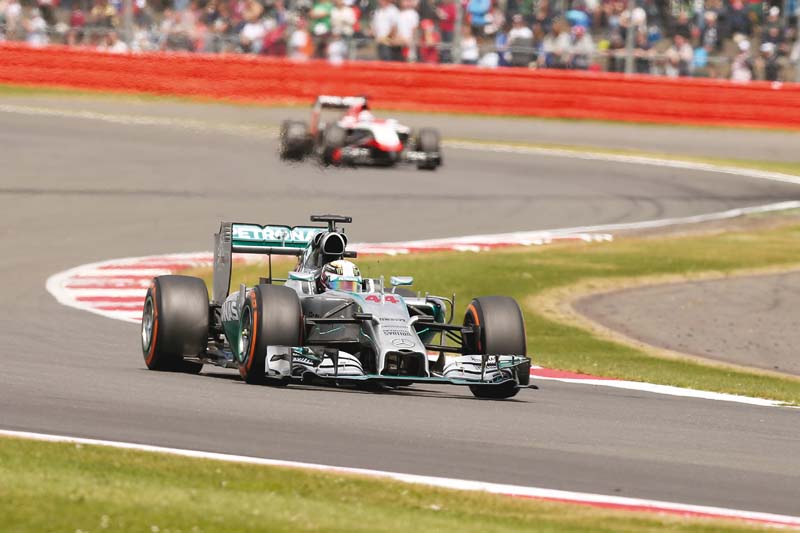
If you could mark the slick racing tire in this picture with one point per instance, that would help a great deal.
(333, 140)
(175, 323)
(294, 140)
(428, 141)
(502, 332)
(271, 316)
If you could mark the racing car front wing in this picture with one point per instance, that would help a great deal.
(287, 363)
(355, 155)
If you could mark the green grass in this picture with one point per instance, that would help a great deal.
(526, 272)
(10, 89)
(69, 488)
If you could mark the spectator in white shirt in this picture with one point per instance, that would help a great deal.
(35, 29)
(679, 57)
(581, 48)
(384, 30)
(742, 65)
(794, 57)
(519, 30)
(300, 46)
(12, 14)
(470, 53)
(252, 36)
(520, 42)
(407, 26)
(343, 19)
(556, 46)
(113, 44)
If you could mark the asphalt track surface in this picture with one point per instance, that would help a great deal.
(749, 321)
(79, 190)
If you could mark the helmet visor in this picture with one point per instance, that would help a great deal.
(344, 283)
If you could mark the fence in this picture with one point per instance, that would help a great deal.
(653, 61)
(448, 88)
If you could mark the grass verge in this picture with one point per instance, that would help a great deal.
(12, 89)
(524, 273)
(69, 487)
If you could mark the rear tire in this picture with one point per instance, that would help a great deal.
(333, 140)
(428, 141)
(271, 316)
(294, 140)
(175, 323)
(502, 332)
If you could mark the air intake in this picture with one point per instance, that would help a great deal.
(333, 244)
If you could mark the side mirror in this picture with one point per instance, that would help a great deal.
(398, 281)
(301, 276)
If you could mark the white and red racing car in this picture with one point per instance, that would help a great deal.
(357, 138)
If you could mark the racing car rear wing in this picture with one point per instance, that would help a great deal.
(338, 102)
(234, 237)
(269, 240)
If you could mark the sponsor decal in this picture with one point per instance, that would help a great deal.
(230, 311)
(355, 152)
(387, 298)
(285, 234)
(393, 332)
(402, 343)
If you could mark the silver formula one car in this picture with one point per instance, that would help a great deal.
(325, 324)
(357, 138)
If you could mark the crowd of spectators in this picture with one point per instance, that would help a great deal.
(738, 39)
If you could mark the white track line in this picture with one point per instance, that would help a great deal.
(600, 232)
(599, 500)
(141, 120)
(620, 158)
(669, 390)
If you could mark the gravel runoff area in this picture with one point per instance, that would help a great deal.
(751, 321)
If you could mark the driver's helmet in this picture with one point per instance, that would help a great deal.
(341, 275)
(365, 116)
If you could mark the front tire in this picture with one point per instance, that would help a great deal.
(175, 323)
(428, 141)
(501, 332)
(271, 316)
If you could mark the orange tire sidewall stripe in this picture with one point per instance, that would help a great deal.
(253, 330)
(474, 312)
(154, 337)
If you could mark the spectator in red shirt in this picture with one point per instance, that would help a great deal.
(429, 42)
(77, 20)
(447, 13)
